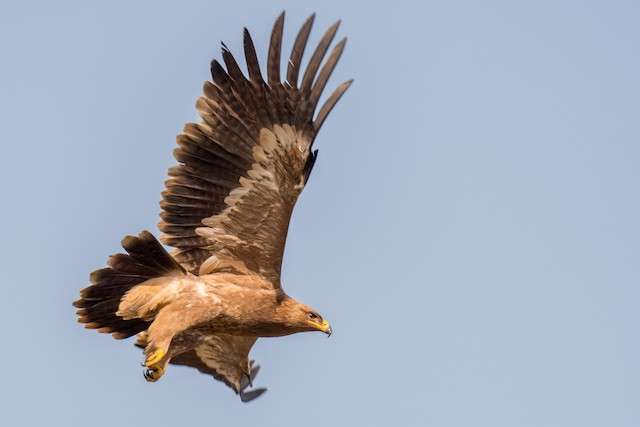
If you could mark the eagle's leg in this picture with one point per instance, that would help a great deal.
(168, 323)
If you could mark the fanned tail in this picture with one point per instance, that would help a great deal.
(99, 302)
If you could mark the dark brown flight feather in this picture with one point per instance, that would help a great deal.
(275, 46)
(293, 67)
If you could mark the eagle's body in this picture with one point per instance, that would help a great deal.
(213, 303)
(226, 211)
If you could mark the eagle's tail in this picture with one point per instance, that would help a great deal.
(98, 303)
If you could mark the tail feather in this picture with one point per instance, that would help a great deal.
(98, 304)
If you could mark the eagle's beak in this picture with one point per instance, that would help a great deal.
(322, 327)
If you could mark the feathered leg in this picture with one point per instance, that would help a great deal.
(170, 321)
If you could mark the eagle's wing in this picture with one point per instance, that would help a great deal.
(225, 358)
(241, 170)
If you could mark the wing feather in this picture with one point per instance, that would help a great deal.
(293, 68)
(318, 55)
(273, 59)
(329, 104)
(252, 58)
(325, 73)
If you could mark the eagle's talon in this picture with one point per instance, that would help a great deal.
(153, 374)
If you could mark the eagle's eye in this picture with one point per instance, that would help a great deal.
(314, 316)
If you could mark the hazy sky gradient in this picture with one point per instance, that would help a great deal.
(471, 228)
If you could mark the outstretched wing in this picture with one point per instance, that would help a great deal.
(242, 168)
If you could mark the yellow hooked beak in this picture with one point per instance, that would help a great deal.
(321, 326)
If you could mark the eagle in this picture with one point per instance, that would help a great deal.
(225, 211)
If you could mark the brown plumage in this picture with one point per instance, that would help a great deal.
(225, 211)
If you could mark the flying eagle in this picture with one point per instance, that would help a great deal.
(225, 211)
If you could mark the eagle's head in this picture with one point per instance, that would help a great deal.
(303, 318)
(315, 321)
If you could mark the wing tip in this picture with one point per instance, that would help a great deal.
(248, 396)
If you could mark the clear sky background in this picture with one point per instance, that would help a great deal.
(471, 228)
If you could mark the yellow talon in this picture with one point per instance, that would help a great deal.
(154, 357)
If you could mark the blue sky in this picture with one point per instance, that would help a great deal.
(471, 228)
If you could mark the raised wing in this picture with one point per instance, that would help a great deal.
(241, 170)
